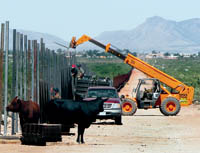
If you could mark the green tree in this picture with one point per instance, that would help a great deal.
(154, 52)
(167, 54)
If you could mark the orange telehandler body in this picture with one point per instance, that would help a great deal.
(169, 102)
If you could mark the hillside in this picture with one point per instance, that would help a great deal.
(155, 33)
(48, 38)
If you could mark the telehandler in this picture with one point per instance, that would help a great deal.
(160, 90)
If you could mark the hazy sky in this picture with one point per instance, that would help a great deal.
(67, 18)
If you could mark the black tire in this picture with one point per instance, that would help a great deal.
(173, 111)
(131, 110)
(118, 120)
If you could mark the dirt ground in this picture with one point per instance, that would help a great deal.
(147, 131)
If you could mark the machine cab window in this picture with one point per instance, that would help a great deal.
(148, 90)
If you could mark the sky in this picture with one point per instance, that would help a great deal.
(67, 18)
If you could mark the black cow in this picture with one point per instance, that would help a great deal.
(82, 113)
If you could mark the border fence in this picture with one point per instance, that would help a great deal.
(29, 70)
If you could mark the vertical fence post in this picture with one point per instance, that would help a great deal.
(35, 70)
(17, 75)
(29, 69)
(21, 66)
(32, 71)
(13, 80)
(49, 72)
(6, 77)
(56, 71)
(1, 72)
(41, 59)
(41, 83)
(37, 73)
(25, 67)
(46, 65)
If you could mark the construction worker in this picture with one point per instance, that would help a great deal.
(74, 70)
(81, 71)
(55, 93)
(52, 93)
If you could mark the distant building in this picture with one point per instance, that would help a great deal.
(78, 55)
(102, 56)
(186, 55)
(154, 55)
(172, 56)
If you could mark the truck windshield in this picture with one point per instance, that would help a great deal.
(109, 93)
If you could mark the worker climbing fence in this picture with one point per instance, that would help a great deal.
(29, 70)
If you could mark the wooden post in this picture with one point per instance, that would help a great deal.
(1, 72)
(6, 77)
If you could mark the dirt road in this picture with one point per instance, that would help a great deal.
(146, 131)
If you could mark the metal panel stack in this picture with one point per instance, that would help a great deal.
(39, 134)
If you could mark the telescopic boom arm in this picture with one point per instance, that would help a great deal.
(146, 68)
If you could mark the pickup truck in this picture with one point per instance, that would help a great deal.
(112, 107)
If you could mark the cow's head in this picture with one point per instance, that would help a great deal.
(101, 102)
(15, 105)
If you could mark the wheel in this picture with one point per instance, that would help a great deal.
(118, 120)
(129, 107)
(170, 106)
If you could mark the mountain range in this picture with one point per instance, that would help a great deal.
(156, 33)
(48, 39)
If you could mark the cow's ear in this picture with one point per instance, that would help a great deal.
(16, 98)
